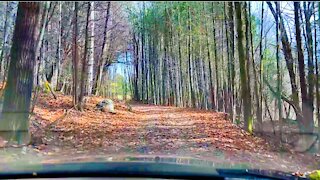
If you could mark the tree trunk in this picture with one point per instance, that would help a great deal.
(91, 50)
(243, 72)
(136, 64)
(84, 73)
(216, 61)
(258, 112)
(56, 73)
(303, 85)
(289, 63)
(228, 88)
(59, 46)
(5, 39)
(231, 30)
(100, 59)
(192, 96)
(213, 103)
(14, 121)
(39, 44)
(317, 76)
(278, 69)
(180, 63)
(259, 120)
(308, 127)
(75, 55)
(247, 65)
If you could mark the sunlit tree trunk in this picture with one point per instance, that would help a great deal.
(56, 74)
(243, 73)
(100, 59)
(91, 50)
(39, 76)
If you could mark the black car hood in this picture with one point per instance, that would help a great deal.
(118, 164)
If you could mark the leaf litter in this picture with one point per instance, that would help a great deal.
(153, 130)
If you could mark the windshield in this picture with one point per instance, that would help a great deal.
(228, 84)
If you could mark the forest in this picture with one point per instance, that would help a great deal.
(178, 77)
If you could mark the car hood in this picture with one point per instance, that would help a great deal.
(109, 163)
(32, 161)
(171, 159)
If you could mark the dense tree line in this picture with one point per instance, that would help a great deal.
(219, 56)
(56, 46)
(254, 61)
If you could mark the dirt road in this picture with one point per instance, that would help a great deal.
(157, 130)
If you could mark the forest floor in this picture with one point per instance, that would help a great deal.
(59, 130)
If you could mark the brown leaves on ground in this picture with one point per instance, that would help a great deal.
(148, 128)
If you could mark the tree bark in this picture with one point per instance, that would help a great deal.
(259, 124)
(278, 69)
(56, 65)
(243, 73)
(303, 84)
(289, 63)
(216, 61)
(232, 58)
(256, 92)
(100, 59)
(192, 96)
(84, 73)
(14, 121)
(75, 56)
(308, 127)
(317, 77)
(91, 50)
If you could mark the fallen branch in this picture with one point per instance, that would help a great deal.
(290, 102)
(35, 97)
(66, 112)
